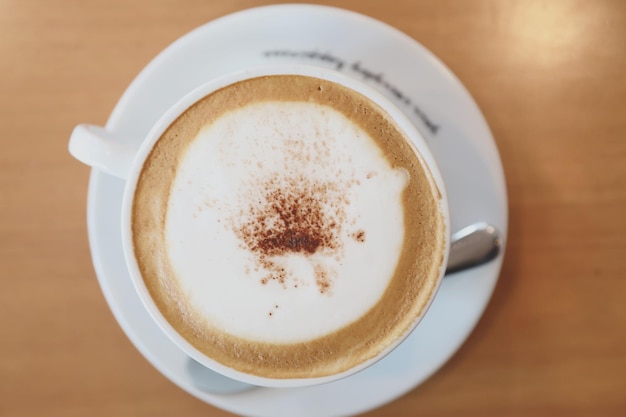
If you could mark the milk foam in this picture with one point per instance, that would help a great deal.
(231, 180)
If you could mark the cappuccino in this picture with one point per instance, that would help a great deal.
(287, 228)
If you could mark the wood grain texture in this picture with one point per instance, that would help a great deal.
(549, 77)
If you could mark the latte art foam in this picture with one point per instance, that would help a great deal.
(263, 215)
(285, 227)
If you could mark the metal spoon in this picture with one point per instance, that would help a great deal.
(213, 382)
(471, 246)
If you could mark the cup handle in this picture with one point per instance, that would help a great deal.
(101, 149)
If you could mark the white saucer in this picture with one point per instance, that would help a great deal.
(455, 128)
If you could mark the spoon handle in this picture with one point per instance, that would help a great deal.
(472, 246)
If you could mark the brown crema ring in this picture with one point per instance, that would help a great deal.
(414, 280)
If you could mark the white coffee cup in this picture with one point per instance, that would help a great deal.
(109, 153)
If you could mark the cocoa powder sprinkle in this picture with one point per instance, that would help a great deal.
(359, 236)
(297, 217)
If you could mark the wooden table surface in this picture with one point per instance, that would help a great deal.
(550, 78)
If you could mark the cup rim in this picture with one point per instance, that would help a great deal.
(409, 128)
